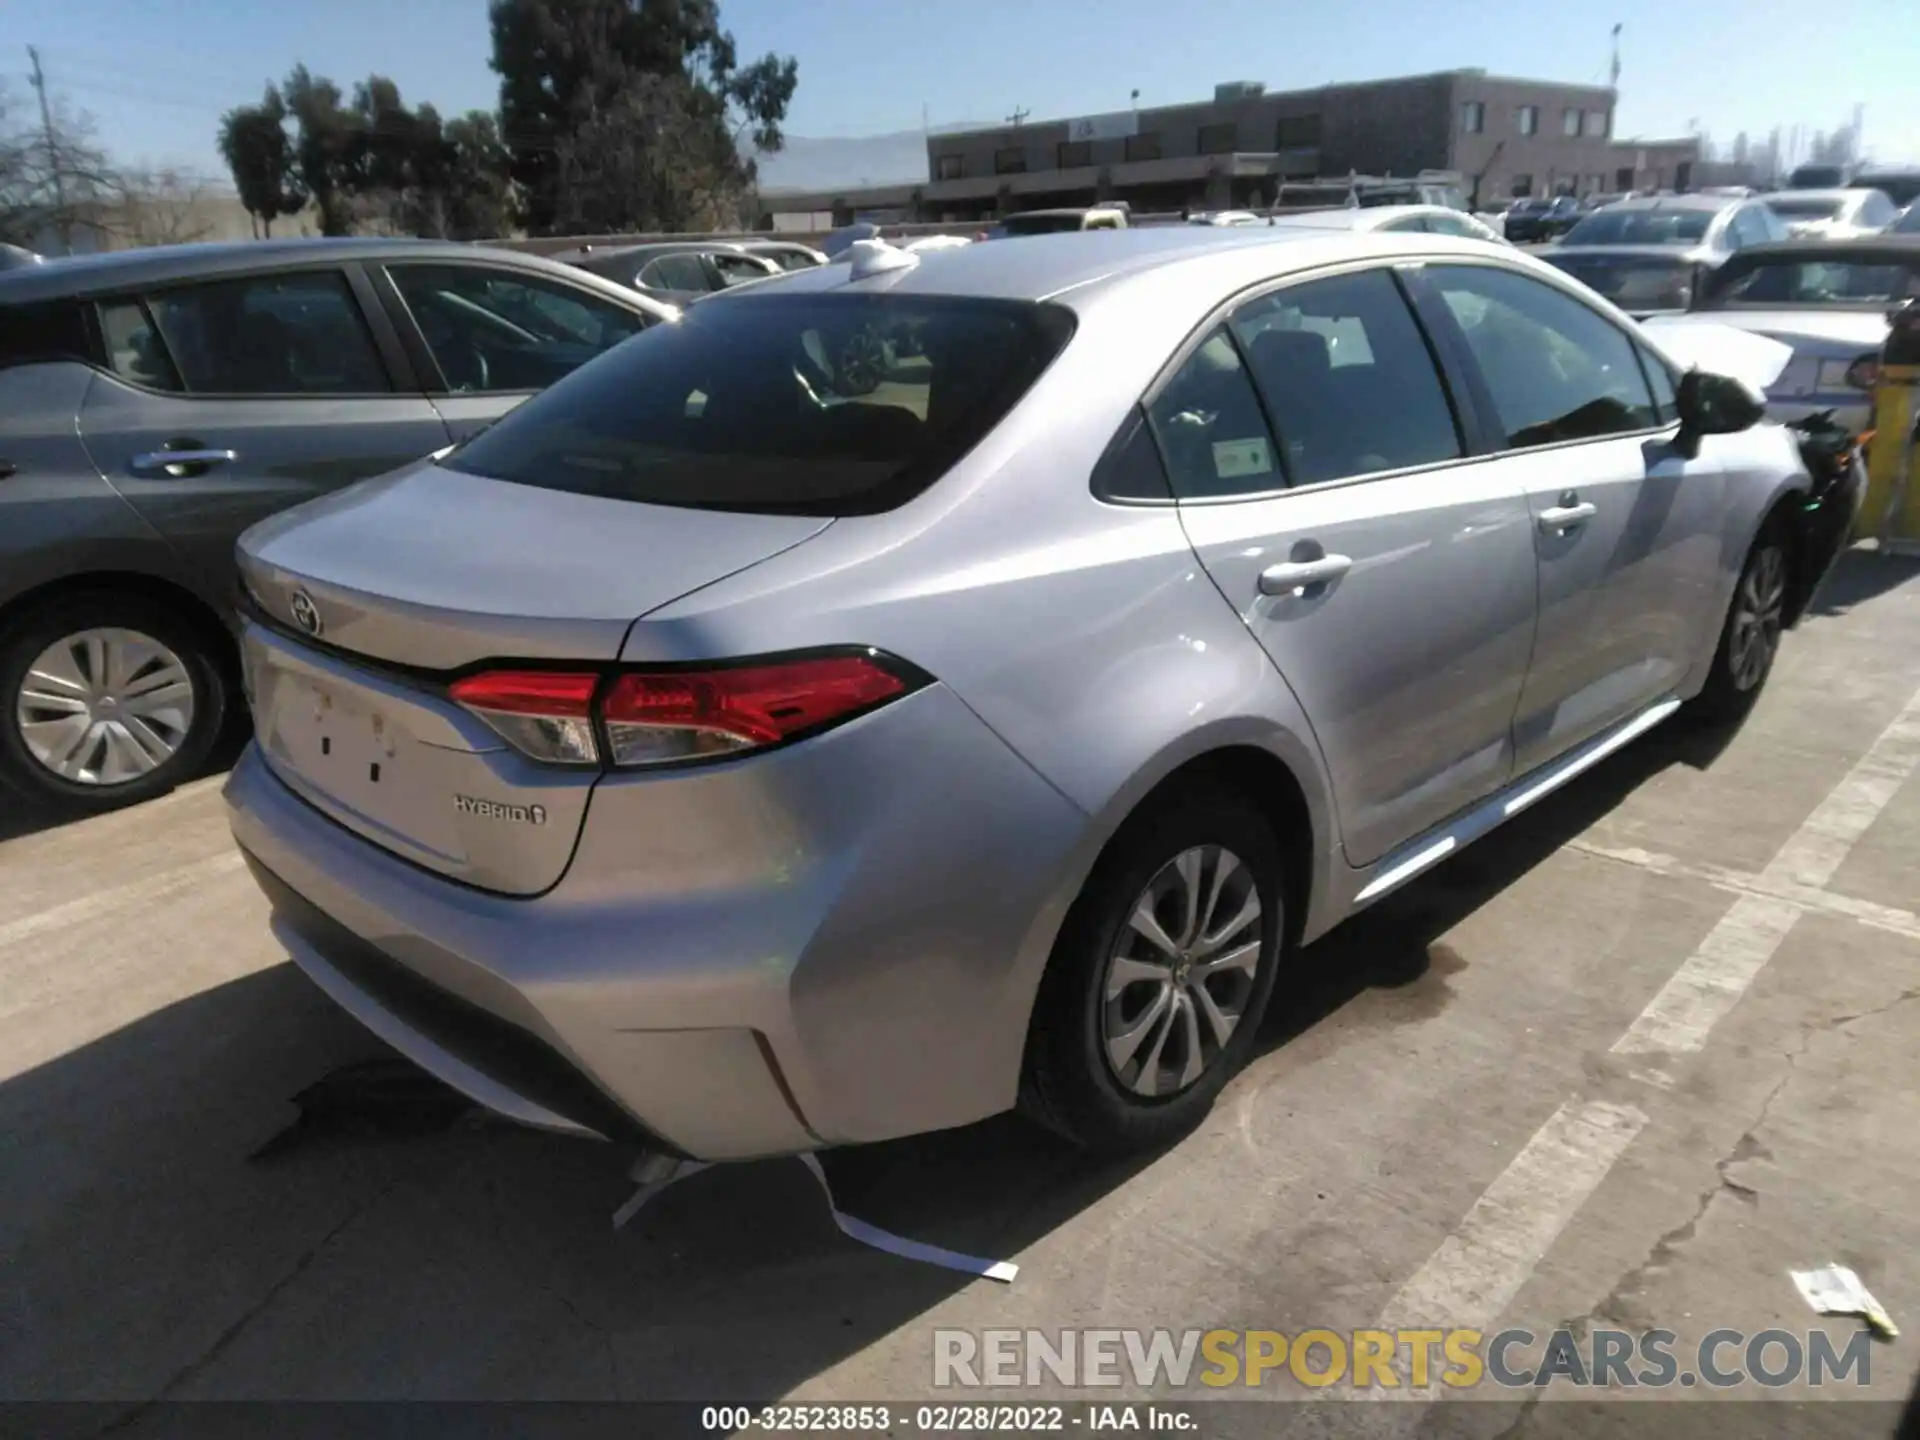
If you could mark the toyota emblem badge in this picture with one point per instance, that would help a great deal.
(305, 613)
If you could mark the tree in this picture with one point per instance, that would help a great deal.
(49, 184)
(642, 72)
(649, 160)
(253, 138)
(159, 207)
(325, 147)
(479, 190)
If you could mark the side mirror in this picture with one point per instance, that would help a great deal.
(1712, 404)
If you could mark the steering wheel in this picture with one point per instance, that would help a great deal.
(464, 364)
(863, 362)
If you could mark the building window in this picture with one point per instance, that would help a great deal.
(1221, 139)
(1570, 122)
(1297, 132)
(1529, 119)
(951, 167)
(1144, 146)
(1010, 161)
(1473, 117)
(1522, 186)
(1597, 123)
(1075, 153)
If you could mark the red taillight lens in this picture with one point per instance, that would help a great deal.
(659, 717)
(545, 714)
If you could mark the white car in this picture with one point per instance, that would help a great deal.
(1833, 214)
(1396, 219)
(1227, 217)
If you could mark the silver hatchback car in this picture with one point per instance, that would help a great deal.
(921, 686)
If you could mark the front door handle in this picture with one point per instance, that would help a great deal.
(181, 462)
(1296, 575)
(1557, 518)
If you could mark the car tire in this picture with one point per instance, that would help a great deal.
(1750, 635)
(147, 678)
(1086, 1075)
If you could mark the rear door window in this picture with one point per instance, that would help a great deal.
(133, 346)
(807, 404)
(300, 334)
(675, 272)
(1347, 378)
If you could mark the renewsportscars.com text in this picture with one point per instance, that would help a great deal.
(1392, 1359)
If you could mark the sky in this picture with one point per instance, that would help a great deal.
(156, 75)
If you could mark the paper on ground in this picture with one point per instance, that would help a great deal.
(1836, 1290)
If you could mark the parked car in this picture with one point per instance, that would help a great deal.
(1226, 218)
(1901, 185)
(16, 257)
(787, 254)
(1531, 221)
(154, 403)
(1049, 222)
(1397, 220)
(1646, 254)
(611, 805)
(674, 272)
(1833, 214)
(1590, 203)
(1830, 301)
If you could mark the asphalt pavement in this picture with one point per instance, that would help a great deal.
(1624, 1064)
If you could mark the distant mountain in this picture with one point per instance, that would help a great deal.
(837, 162)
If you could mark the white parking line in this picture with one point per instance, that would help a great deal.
(1477, 1270)
(103, 902)
(1714, 978)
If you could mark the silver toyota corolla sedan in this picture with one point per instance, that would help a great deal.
(933, 684)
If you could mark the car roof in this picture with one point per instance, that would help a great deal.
(646, 247)
(81, 275)
(1044, 267)
(1679, 202)
(1889, 246)
(1831, 192)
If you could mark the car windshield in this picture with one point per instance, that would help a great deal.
(1641, 227)
(1853, 281)
(797, 404)
(1810, 208)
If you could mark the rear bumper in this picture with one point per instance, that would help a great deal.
(838, 942)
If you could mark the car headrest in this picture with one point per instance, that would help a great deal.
(1302, 354)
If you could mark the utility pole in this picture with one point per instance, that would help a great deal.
(1018, 117)
(53, 155)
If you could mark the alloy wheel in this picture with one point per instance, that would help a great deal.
(105, 706)
(1181, 972)
(1758, 608)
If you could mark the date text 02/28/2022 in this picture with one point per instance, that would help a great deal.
(962, 1419)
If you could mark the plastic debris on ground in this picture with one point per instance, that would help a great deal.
(1836, 1290)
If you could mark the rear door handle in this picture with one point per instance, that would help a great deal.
(1556, 518)
(162, 462)
(1296, 575)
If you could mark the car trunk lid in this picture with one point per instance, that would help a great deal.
(367, 600)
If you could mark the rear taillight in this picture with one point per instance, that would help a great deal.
(655, 717)
(545, 714)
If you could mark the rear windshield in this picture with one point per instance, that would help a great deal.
(1840, 280)
(1641, 227)
(1633, 282)
(798, 404)
(1041, 224)
(1805, 209)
